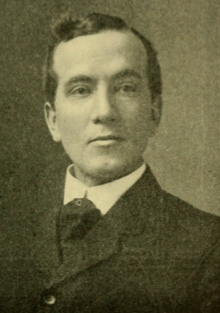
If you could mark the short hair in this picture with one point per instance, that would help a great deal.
(67, 28)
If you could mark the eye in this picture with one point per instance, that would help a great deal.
(81, 91)
(127, 89)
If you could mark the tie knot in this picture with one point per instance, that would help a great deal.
(77, 218)
(83, 202)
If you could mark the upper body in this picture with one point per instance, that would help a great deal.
(150, 251)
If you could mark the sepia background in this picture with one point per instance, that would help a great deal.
(185, 154)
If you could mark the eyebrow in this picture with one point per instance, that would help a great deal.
(78, 78)
(127, 73)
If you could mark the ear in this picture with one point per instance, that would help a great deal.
(51, 120)
(156, 108)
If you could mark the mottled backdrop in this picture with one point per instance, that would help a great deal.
(185, 154)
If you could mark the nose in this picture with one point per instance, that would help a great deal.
(104, 109)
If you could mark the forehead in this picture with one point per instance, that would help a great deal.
(103, 54)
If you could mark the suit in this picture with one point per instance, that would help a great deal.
(151, 252)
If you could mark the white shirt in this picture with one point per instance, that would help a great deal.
(103, 196)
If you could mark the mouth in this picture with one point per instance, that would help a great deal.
(105, 140)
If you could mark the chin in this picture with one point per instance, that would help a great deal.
(109, 170)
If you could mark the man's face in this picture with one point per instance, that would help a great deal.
(103, 109)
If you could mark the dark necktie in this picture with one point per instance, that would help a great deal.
(76, 219)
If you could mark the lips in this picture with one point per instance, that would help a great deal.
(107, 138)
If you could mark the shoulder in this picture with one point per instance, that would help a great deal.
(189, 232)
(176, 216)
(188, 216)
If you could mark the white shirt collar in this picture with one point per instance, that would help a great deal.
(103, 196)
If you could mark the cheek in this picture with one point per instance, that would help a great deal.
(140, 119)
(69, 126)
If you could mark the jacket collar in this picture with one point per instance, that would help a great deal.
(128, 217)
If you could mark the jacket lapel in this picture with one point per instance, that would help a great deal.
(128, 217)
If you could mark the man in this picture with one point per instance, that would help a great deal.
(119, 243)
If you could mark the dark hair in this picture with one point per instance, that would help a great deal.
(67, 28)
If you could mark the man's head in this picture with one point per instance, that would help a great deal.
(103, 92)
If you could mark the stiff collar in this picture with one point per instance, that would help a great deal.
(103, 196)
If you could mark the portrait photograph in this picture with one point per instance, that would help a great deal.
(110, 156)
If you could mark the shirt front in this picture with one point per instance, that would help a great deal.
(103, 196)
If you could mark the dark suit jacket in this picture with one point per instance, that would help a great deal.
(151, 252)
